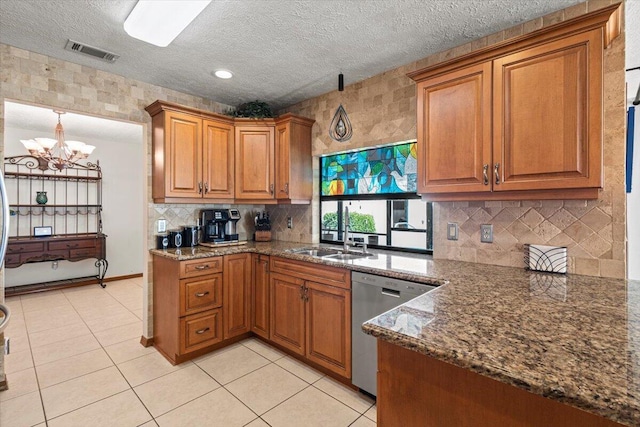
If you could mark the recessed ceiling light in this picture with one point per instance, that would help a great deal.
(223, 74)
(160, 22)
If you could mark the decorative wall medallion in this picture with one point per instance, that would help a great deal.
(340, 129)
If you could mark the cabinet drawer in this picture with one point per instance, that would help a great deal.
(199, 267)
(200, 330)
(83, 253)
(200, 294)
(72, 244)
(311, 271)
(18, 247)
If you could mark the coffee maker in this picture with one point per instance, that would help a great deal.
(219, 225)
(231, 227)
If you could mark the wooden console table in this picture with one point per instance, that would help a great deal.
(70, 247)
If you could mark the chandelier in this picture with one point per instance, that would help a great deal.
(57, 153)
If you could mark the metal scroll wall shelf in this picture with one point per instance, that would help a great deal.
(55, 214)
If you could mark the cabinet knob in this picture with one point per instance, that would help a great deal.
(485, 174)
(202, 267)
(202, 331)
(497, 173)
(201, 294)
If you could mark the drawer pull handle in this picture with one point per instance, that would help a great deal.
(202, 267)
(496, 167)
(485, 174)
(202, 331)
(201, 294)
(69, 245)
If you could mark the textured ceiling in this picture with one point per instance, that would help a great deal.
(280, 51)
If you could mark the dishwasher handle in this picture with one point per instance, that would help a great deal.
(390, 292)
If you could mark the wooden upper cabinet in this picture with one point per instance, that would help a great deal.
(454, 131)
(218, 160)
(548, 115)
(193, 157)
(255, 161)
(183, 163)
(294, 176)
(520, 120)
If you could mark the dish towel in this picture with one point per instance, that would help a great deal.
(631, 117)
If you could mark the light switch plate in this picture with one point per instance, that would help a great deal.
(486, 233)
(452, 231)
(162, 225)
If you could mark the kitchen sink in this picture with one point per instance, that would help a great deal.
(331, 254)
(317, 252)
(347, 256)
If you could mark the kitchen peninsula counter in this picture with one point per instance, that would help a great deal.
(573, 339)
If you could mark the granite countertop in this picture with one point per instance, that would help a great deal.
(574, 339)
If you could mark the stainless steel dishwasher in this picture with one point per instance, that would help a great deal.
(373, 295)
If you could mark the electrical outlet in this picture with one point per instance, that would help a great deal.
(289, 222)
(162, 225)
(452, 231)
(486, 233)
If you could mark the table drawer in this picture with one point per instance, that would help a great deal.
(18, 247)
(199, 267)
(200, 330)
(72, 244)
(83, 253)
(200, 294)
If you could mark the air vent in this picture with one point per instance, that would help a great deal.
(74, 46)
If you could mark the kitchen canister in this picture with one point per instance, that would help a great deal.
(162, 241)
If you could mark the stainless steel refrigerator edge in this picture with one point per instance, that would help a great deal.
(4, 321)
(373, 295)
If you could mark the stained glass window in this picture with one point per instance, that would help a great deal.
(383, 170)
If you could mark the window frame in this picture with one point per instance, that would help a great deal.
(388, 198)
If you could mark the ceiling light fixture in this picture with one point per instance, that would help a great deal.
(340, 128)
(160, 22)
(223, 74)
(57, 154)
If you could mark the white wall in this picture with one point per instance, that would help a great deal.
(633, 209)
(123, 204)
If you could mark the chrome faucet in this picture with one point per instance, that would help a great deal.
(345, 239)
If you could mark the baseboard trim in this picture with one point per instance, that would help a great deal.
(4, 384)
(61, 284)
(146, 342)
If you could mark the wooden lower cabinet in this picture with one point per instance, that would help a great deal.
(415, 390)
(200, 304)
(236, 294)
(328, 327)
(260, 320)
(187, 306)
(309, 317)
(287, 312)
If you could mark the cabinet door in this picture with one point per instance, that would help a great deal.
(260, 295)
(454, 131)
(547, 115)
(183, 155)
(255, 159)
(283, 135)
(218, 160)
(235, 295)
(287, 312)
(328, 327)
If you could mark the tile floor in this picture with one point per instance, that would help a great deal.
(76, 360)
